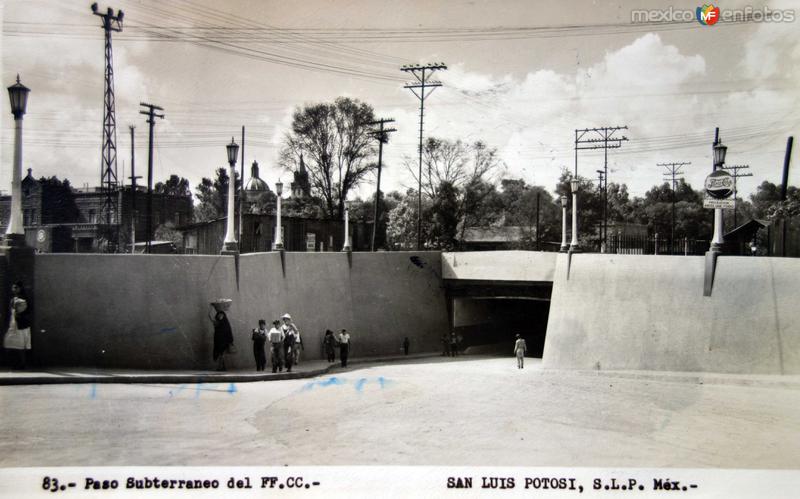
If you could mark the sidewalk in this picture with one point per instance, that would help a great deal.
(74, 375)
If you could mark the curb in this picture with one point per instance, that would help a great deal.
(211, 377)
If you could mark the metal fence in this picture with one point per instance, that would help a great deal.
(621, 244)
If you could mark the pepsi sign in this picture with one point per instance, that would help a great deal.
(719, 185)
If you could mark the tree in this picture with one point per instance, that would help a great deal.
(174, 186)
(334, 138)
(519, 204)
(444, 216)
(401, 232)
(212, 196)
(453, 163)
(167, 232)
(58, 202)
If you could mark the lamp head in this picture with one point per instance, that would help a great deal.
(279, 188)
(233, 151)
(719, 154)
(563, 201)
(574, 184)
(18, 94)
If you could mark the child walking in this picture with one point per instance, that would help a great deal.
(259, 341)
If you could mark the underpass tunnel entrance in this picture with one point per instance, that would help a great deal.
(489, 316)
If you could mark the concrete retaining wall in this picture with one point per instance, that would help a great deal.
(530, 266)
(150, 311)
(648, 312)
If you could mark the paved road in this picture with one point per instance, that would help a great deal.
(429, 412)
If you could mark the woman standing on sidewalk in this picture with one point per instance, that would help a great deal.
(223, 338)
(18, 336)
(329, 342)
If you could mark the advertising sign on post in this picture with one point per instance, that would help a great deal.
(719, 187)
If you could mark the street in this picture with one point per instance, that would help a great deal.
(469, 411)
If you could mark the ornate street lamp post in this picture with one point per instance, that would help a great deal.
(230, 246)
(564, 246)
(719, 160)
(278, 244)
(574, 246)
(15, 234)
(346, 246)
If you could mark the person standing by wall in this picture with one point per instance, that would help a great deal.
(329, 343)
(344, 346)
(275, 337)
(406, 344)
(454, 344)
(520, 348)
(289, 344)
(18, 337)
(259, 340)
(288, 325)
(223, 338)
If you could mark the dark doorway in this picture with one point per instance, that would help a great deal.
(489, 325)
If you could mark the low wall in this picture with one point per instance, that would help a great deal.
(648, 312)
(151, 311)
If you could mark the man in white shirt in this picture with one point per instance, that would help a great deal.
(275, 338)
(344, 346)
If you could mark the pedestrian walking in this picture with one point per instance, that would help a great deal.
(406, 344)
(445, 345)
(344, 346)
(454, 344)
(17, 339)
(520, 349)
(329, 344)
(275, 337)
(223, 338)
(288, 325)
(289, 344)
(259, 340)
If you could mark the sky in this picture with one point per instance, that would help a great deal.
(521, 77)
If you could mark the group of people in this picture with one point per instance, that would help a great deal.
(330, 342)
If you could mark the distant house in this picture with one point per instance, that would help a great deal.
(739, 241)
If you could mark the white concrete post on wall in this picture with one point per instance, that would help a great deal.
(230, 245)
(564, 246)
(15, 234)
(346, 246)
(574, 246)
(278, 241)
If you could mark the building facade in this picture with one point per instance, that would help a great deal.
(60, 219)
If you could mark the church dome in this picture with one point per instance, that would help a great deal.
(255, 184)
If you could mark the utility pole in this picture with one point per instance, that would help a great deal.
(736, 175)
(422, 74)
(600, 186)
(241, 195)
(151, 115)
(673, 171)
(538, 198)
(600, 138)
(133, 177)
(108, 154)
(382, 135)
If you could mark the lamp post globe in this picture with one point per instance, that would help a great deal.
(15, 233)
(574, 185)
(720, 151)
(230, 245)
(346, 245)
(278, 240)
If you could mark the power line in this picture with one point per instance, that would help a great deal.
(673, 172)
(382, 134)
(151, 116)
(735, 169)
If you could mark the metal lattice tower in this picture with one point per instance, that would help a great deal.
(108, 160)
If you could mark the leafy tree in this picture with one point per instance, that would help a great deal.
(174, 186)
(444, 217)
(401, 231)
(212, 196)
(167, 232)
(58, 201)
(519, 204)
(335, 140)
